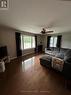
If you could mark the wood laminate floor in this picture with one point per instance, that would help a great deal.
(25, 76)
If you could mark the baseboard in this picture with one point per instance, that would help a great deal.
(12, 58)
(28, 53)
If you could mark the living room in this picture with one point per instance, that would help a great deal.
(28, 30)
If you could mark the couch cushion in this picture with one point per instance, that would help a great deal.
(63, 50)
(52, 48)
(57, 63)
(46, 57)
(56, 49)
(67, 56)
(60, 55)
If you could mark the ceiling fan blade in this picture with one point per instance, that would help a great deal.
(44, 31)
(49, 31)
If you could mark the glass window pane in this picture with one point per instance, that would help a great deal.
(27, 42)
(33, 42)
(21, 43)
(55, 41)
(51, 42)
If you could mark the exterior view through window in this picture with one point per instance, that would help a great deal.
(27, 42)
(53, 41)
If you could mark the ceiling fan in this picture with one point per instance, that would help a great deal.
(44, 31)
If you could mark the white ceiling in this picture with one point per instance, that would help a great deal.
(33, 15)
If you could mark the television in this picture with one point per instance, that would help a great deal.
(3, 52)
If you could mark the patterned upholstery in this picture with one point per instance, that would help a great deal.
(57, 63)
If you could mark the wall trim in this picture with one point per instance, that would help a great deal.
(28, 53)
(12, 58)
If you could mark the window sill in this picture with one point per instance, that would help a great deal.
(28, 49)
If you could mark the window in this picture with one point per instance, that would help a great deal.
(53, 41)
(27, 42)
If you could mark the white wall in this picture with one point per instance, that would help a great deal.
(7, 37)
(66, 40)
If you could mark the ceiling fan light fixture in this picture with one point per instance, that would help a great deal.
(43, 31)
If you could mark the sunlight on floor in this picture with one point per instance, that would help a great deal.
(28, 63)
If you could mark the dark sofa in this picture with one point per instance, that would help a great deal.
(62, 53)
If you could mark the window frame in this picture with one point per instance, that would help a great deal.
(53, 44)
(22, 42)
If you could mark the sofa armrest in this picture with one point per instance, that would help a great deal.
(67, 70)
(57, 63)
(46, 49)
